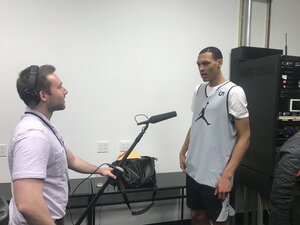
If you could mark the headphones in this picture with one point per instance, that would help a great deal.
(29, 95)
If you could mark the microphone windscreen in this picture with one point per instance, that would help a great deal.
(161, 117)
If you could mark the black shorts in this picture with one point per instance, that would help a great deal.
(202, 197)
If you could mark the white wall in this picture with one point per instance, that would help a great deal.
(258, 24)
(285, 19)
(121, 58)
(117, 59)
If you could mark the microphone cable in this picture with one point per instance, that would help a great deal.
(81, 182)
(139, 115)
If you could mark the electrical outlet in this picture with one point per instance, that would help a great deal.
(125, 145)
(3, 148)
(102, 146)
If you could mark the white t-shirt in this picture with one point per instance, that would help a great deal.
(237, 102)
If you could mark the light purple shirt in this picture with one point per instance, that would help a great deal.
(36, 153)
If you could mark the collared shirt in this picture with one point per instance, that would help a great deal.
(35, 152)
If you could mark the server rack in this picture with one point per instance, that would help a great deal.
(271, 82)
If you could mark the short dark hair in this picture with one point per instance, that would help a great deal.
(41, 82)
(216, 53)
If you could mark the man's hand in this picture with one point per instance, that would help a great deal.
(223, 187)
(107, 172)
(183, 151)
(182, 162)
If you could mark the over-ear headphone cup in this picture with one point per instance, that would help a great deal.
(30, 98)
(29, 95)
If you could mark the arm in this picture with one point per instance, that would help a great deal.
(28, 194)
(224, 184)
(183, 151)
(81, 166)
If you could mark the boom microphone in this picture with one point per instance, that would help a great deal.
(158, 118)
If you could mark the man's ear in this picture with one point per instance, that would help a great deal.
(220, 62)
(43, 96)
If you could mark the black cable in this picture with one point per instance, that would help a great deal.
(112, 166)
(88, 177)
(140, 115)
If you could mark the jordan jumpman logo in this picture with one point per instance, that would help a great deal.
(201, 115)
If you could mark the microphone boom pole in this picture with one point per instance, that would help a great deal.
(153, 119)
(100, 192)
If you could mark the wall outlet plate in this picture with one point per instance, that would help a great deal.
(102, 146)
(124, 145)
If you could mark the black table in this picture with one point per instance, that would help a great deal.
(169, 186)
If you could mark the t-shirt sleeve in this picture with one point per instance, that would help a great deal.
(30, 156)
(237, 103)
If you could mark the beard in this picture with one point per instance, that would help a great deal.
(56, 107)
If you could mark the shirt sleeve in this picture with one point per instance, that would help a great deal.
(237, 103)
(30, 156)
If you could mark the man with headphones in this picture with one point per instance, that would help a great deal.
(38, 159)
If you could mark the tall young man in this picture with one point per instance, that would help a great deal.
(215, 143)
